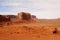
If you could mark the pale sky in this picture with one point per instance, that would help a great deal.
(40, 8)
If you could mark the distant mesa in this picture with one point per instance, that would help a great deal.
(24, 16)
(12, 16)
(21, 16)
(4, 18)
(33, 16)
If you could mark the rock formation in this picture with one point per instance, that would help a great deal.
(24, 16)
(33, 16)
(4, 18)
(12, 16)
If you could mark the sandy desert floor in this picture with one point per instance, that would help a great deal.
(29, 31)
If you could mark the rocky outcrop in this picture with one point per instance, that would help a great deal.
(21, 17)
(33, 16)
(12, 16)
(4, 18)
(24, 16)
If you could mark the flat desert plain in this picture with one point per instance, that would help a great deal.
(37, 30)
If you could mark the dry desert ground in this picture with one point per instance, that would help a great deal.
(37, 30)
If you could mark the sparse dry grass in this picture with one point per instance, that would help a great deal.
(36, 30)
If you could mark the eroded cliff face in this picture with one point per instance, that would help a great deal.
(21, 16)
(24, 16)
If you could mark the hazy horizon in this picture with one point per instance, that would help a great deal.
(48, 9)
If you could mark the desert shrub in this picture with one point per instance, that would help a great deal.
(55, 31)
